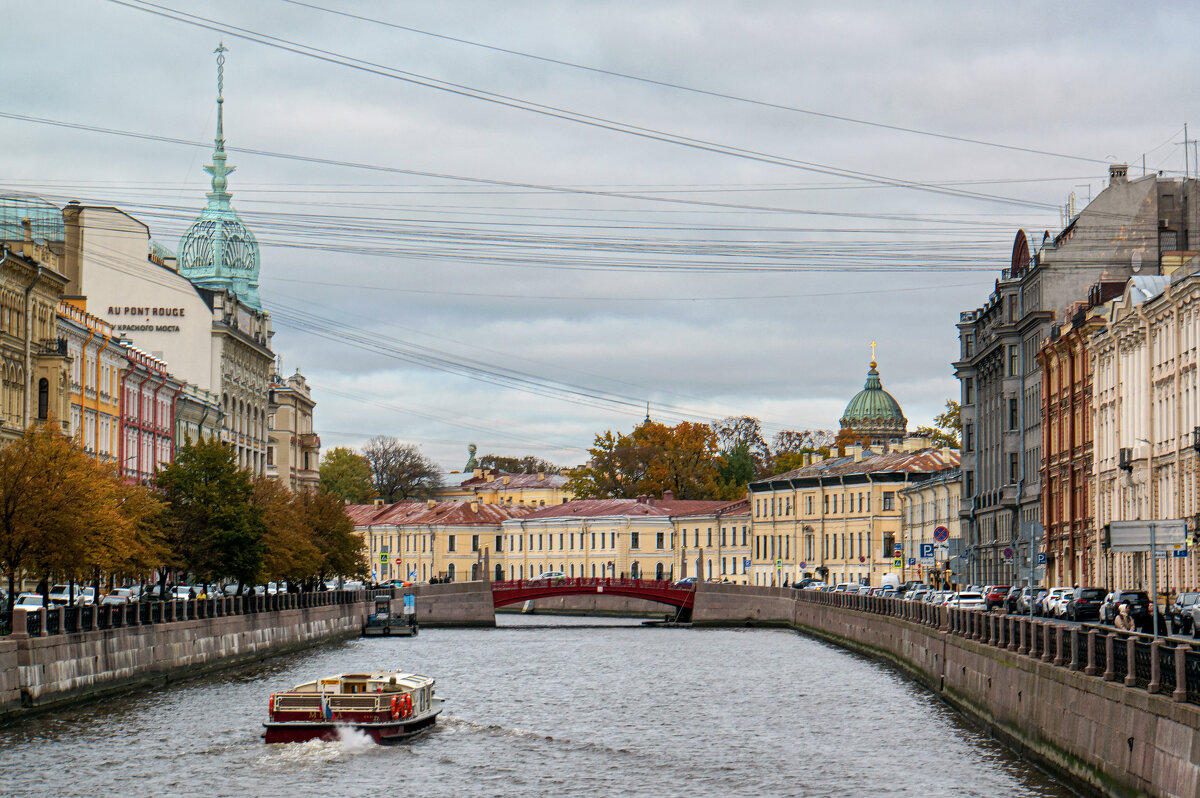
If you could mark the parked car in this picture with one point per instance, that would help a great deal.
(1138, 601)
(1050, 605)
(130, 594)
(967, 601)
(815, 586)
(1010, 600)
(30, 601)
(114, 600)
(1083, 604)
(687, 581)
(916, 595)
(1029, 599)
(1181, 612)
(995, 595)
(61, 594)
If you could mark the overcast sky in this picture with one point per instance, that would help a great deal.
(743, 271)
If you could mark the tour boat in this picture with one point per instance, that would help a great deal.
(390, 706)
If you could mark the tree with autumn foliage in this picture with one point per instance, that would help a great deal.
(649, 460)
(66, 515)
(308, 536)
(946, 429)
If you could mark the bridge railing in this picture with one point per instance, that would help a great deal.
(41, 621)
(592, 582)
(1140, 661)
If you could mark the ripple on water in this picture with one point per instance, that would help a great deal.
(565, 711)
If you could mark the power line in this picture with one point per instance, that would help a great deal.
(694, 90)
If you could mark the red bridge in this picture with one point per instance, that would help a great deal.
(663, 591)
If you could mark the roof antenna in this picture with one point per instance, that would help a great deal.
(647, 412)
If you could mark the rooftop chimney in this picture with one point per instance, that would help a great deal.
(541, 476)
(431, 503)
(475, 506)
(1118, 173)
(668, 495)
(507, 479)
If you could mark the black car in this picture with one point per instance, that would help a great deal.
(1010, 601)
(1083, 603)
(1181, 612)
(1138, 601)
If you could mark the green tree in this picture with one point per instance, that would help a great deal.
(947, 427)
(347, 475)
(744, 432)
(214, 527)
(737, 468)
(518, 465)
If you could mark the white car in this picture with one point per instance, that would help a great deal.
(1053, 605)
(32, 601)
(546, 576)
(61, 594)
(967, 601)
(814, 586)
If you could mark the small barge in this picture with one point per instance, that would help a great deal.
(383, 622)
(390, 706)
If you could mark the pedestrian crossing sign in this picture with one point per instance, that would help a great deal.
(383, 558)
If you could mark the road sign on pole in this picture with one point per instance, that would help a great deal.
(941, 534)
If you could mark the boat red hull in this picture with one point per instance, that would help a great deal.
(382, 733)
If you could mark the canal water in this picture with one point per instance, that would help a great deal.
(543, 706)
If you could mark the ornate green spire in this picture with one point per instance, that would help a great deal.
(218, 251)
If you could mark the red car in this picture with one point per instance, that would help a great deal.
(995, 595)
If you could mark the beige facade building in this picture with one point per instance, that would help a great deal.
(838, 519)
(924, 508)
(493, 486)
(293, 449)
(717, 539)
(1146, 405)
(420, 541)
(33, 358)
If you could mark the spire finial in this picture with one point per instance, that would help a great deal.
(873, 363)
(219, 170)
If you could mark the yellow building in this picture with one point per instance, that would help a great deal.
(635, 538)
(719, 539)
(924, 508)
(838, 519)
(492, 486)
(97, 356)
(294, 449)
(423, 541)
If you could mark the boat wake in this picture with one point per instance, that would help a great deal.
(450, 725)
(350, 743)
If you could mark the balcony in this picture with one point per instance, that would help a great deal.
(310, 440)
(53, 346)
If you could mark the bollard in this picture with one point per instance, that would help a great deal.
(1155, 667)
(1092, 637)
(1130, 659)
(1059, 659)
(1074, 665)
(20, 623)
(1181, 652)
(1109, 645)
(1046, 628)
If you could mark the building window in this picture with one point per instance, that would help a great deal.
(43, 399)
(969, 483)
(1014, 361)
(709, 538)
(968, 344)
(969, 391)
(659, 541)
(808, 505)
(451, 543)
(633, 539)
(499, 542)
(270, 455)
(968, 437)
(889, 500)
(1013, 413)
(474, 542)
(1014, 467)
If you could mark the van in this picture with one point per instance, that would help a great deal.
(890, 580)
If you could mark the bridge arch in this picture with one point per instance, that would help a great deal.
(660, 591)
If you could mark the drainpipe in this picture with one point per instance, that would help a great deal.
(174, 431)
(37, 278)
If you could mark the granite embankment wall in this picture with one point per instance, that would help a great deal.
(40, 672)
(617, 606)
(1032, 685)
(455, 604)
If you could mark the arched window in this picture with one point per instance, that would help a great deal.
(450, 572)
(658, 571)
(474, 572)
(635, 571)
(499, 572)
(593, 570)
(710, 569)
